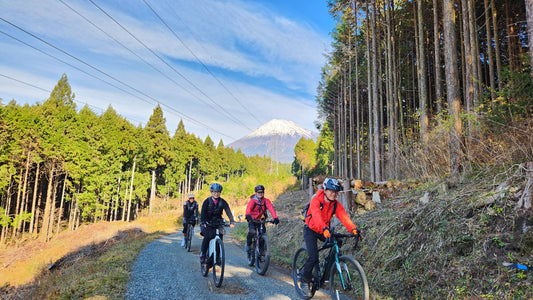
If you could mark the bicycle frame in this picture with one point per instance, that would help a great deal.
(259, 233)
(212, 244)
(333, 257)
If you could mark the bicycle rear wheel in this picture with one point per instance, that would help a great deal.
(262, 258)
(350, 281)
(218, 263)
(188, 241)
(298, 262)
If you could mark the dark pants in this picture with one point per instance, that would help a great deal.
(185, 222)
(252, 230)
(310, 238)
(209, 233)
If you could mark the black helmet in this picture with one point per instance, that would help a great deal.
(215, 187)
(332, 184)
(259, 188)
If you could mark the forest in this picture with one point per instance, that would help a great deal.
(61, 166)
(423, 89)
(411, 89)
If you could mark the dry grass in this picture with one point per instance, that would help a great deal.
(452, 247)
(93, 260)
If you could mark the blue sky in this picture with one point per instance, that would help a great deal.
(225, 67)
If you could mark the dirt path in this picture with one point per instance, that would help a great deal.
(164, 270)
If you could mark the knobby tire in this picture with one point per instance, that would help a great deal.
(298, 262)
(250, 256)
(219, 264)
(353, 276)
(262, 258)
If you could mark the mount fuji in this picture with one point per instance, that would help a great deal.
(275, 139)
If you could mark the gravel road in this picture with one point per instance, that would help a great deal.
(164, 270)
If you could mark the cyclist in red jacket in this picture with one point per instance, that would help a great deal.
(321, 209)
(255, 210)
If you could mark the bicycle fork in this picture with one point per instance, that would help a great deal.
(213, 249)
(341, 276)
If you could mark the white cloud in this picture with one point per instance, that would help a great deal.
(254, 44)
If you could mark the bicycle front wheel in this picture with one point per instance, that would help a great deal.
(219, 263)
(298, 262)
(250, 254)
(262, 258)
(348, 280)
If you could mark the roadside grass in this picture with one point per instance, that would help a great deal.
(452, 247)
(97, 270)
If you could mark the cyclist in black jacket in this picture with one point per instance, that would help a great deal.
(190, 215)
(212, 213)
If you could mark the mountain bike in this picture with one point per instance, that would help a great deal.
(346, 277)
(259, 254)
(190, 233)
(215, 258)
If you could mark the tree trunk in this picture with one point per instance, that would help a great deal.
(474, 49)
(529, 14)
(117, 201)
(436, 46)
(18, 211)
(375, 103)
(357, 104)
(422, 73)
(452, 86)
(53, 210)
(124, 205)
(489, 51)
(369, 94)
(469, 80)
(48, 205)
(24, 192)
(34, 199)
(497, 45)
(60, 213)
(131, 186)
(152, 192)
(7, 208)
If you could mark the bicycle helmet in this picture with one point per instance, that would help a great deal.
(332, 184)
(191, 195)
(215, 187)
(259, 188)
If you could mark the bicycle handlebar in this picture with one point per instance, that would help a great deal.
(217, 224)
(357, 237)
(264, 221)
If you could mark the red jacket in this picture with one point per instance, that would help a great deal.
(257, 210)
(317, 219)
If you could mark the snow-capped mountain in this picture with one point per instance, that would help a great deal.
(276, 139)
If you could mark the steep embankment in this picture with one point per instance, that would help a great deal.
(450, 243)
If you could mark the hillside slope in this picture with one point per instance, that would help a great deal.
(452, 246)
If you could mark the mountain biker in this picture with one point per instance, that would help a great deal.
(255, 210)
(317, 223)
(190, 215)
(211, 212)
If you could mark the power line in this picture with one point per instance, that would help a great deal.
(48, 91)
(89, 65)
(201, 62)
(171, 67)
(132, 52)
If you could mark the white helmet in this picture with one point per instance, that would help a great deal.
(191, 195)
